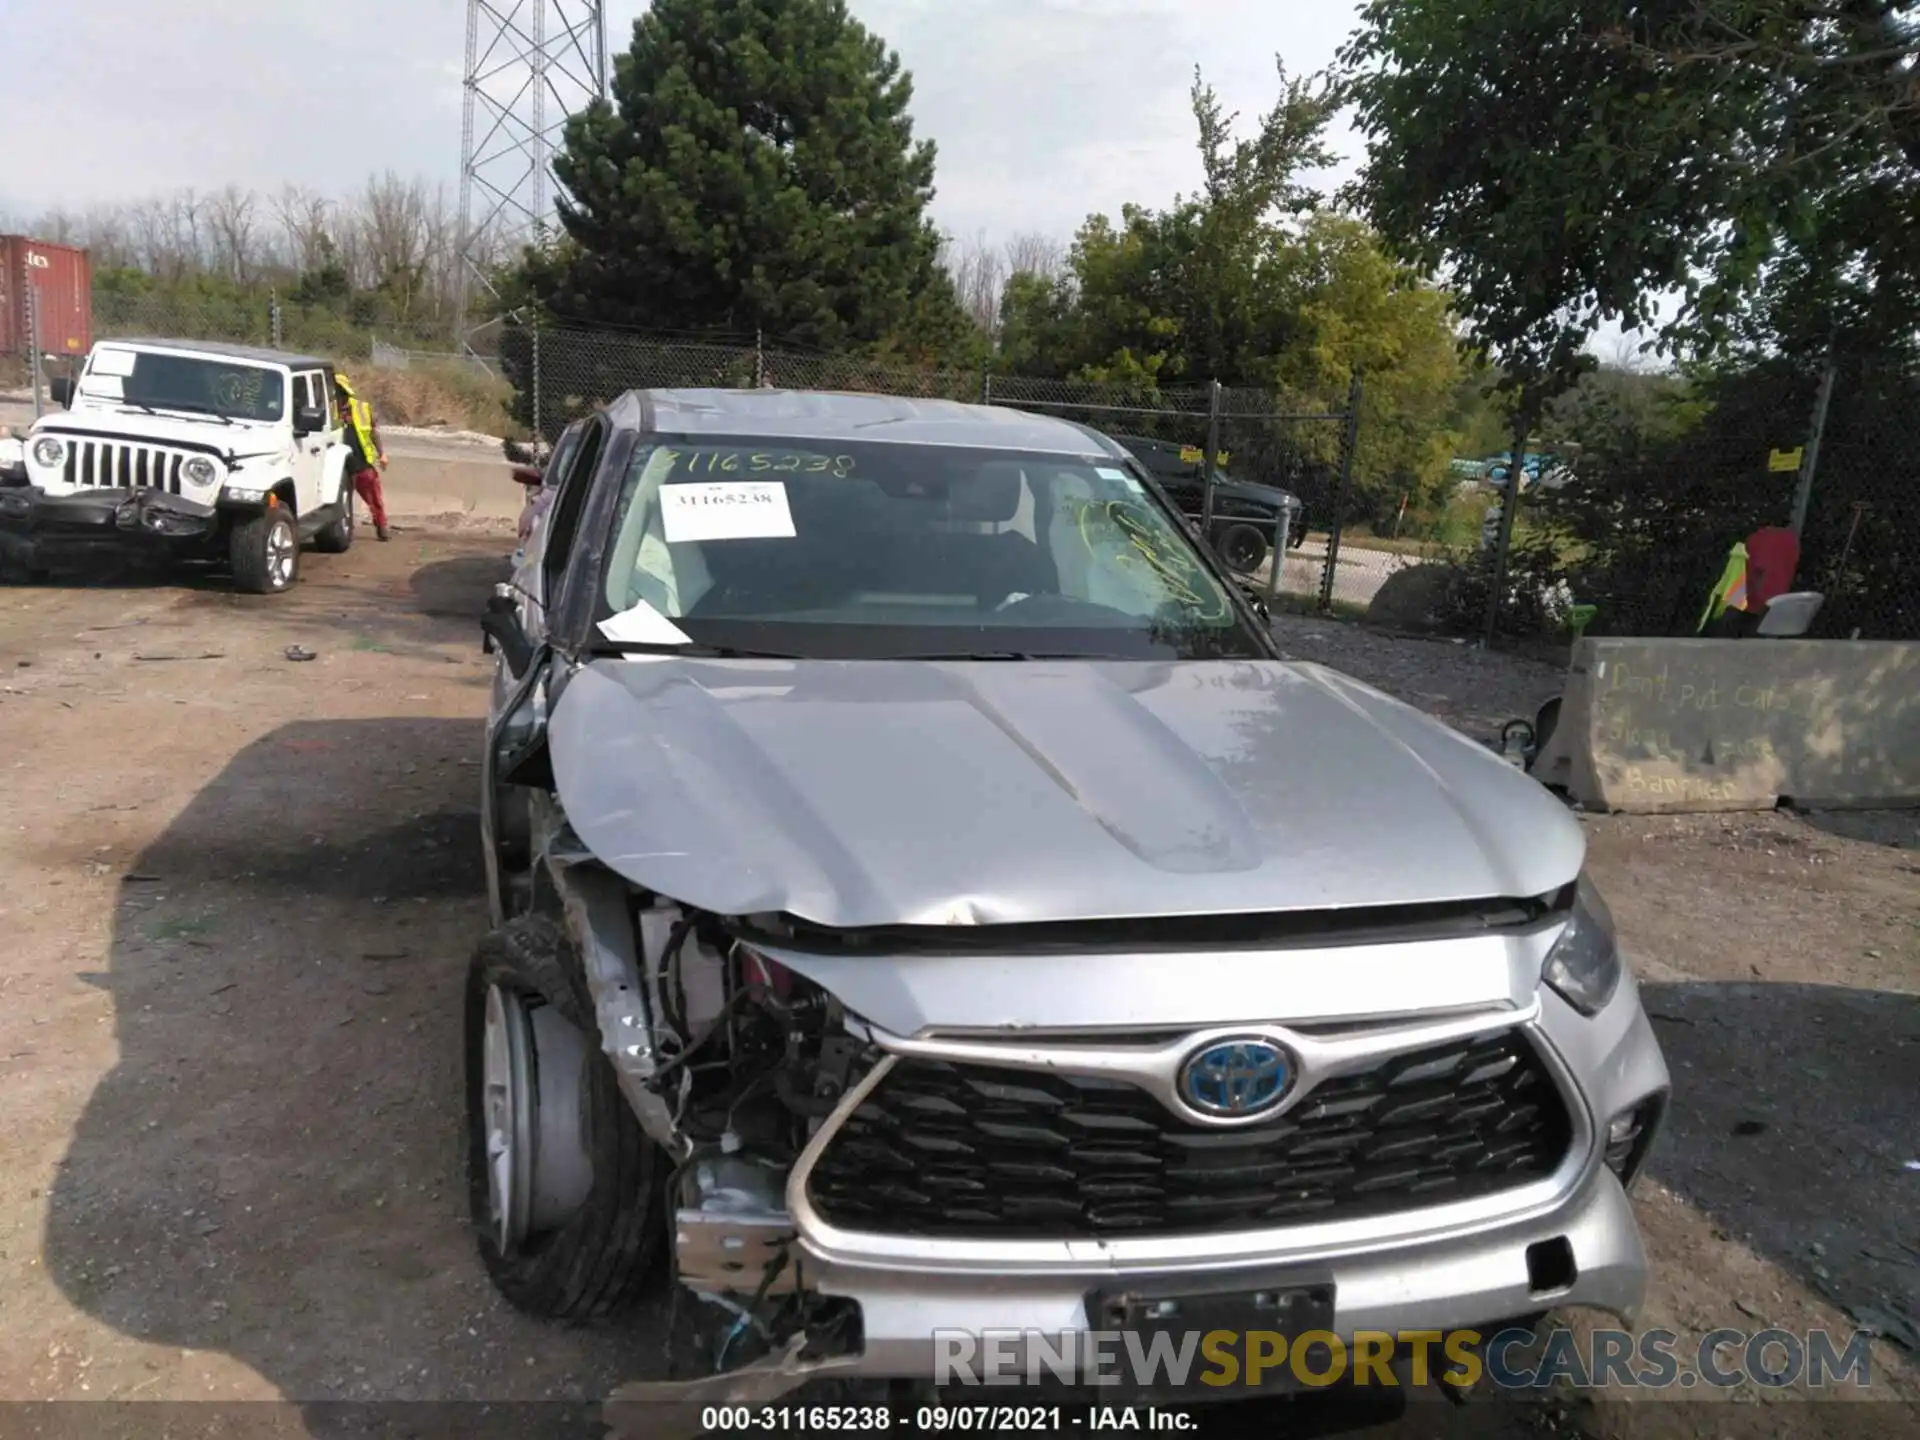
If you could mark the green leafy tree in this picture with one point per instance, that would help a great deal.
(1247, 283)
(1565, 163)
(1350, 306)
(756, 170)
(1182, 295)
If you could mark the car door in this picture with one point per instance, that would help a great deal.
(335, 483)
(516, 716)
(309, 450)
(570, 477)
(547, 549)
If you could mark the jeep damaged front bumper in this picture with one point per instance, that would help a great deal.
(32, 522)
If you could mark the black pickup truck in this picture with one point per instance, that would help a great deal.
(1243, 514)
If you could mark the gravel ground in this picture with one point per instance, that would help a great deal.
(1473, 690)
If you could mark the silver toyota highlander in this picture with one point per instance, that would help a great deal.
(925, 901)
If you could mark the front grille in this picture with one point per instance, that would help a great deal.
(112, 465)
(965, 1151)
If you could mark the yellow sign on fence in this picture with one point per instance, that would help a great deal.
(1787, 460)
(1191, 455)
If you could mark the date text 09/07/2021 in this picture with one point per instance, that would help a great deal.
(943, 1419)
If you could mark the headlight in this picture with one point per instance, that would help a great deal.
(1584, 965)
(49, 452)
(200, 470)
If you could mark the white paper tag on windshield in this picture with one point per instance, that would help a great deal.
(643, 625)
(112, 362)
(726, 510)
(1119, 477)
(104, 387)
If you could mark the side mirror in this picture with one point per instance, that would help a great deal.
(501, 625)
(60, 387)
(528, 475)
(309, 420)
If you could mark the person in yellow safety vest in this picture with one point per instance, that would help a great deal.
(366, 458)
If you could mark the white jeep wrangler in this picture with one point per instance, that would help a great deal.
(195, 449)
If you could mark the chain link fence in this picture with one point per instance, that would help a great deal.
(1641, 532)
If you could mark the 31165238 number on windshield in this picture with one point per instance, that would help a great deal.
(762, 462)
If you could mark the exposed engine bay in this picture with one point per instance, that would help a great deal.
(731, 1062)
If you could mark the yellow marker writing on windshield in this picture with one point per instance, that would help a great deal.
(1178, 575)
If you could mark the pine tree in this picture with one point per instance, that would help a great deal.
(755, 171)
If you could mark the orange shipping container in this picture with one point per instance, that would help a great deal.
(62, 281)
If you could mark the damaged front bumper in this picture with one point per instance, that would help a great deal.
(1459, 1030)
(944, 1327)
(1450, 1282)
(35, 525)
(1569, 1240)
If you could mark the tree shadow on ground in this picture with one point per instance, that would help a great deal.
(1793, 1125)
(457, 589)
(274, 1167)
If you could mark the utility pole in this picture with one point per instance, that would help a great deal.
(1208, 461)
(1509, 508)
(1803, 491)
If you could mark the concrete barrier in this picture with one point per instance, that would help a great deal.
(1665, 726)
(482, 486)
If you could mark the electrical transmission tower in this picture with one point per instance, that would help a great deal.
(530, 64)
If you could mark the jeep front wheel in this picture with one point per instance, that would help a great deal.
(265, 552)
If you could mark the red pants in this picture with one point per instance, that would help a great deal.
(367, 486)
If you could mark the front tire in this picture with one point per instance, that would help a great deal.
(264, 551)
(564, 1186)
(1242, 548)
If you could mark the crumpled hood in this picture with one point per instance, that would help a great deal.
(855, 793)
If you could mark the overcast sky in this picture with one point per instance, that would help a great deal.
(1043, 110)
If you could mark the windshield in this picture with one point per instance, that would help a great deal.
(872, 550)
(184, 382)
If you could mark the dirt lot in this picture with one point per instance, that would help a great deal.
(241, 890)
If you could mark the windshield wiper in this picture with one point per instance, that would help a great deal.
(184, 409)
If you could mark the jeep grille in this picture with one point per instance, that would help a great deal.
(113, 465)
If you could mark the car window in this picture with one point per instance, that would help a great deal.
(562, 455)
(924, 543)
(209, 386)
(571, 489)
(309, 392)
